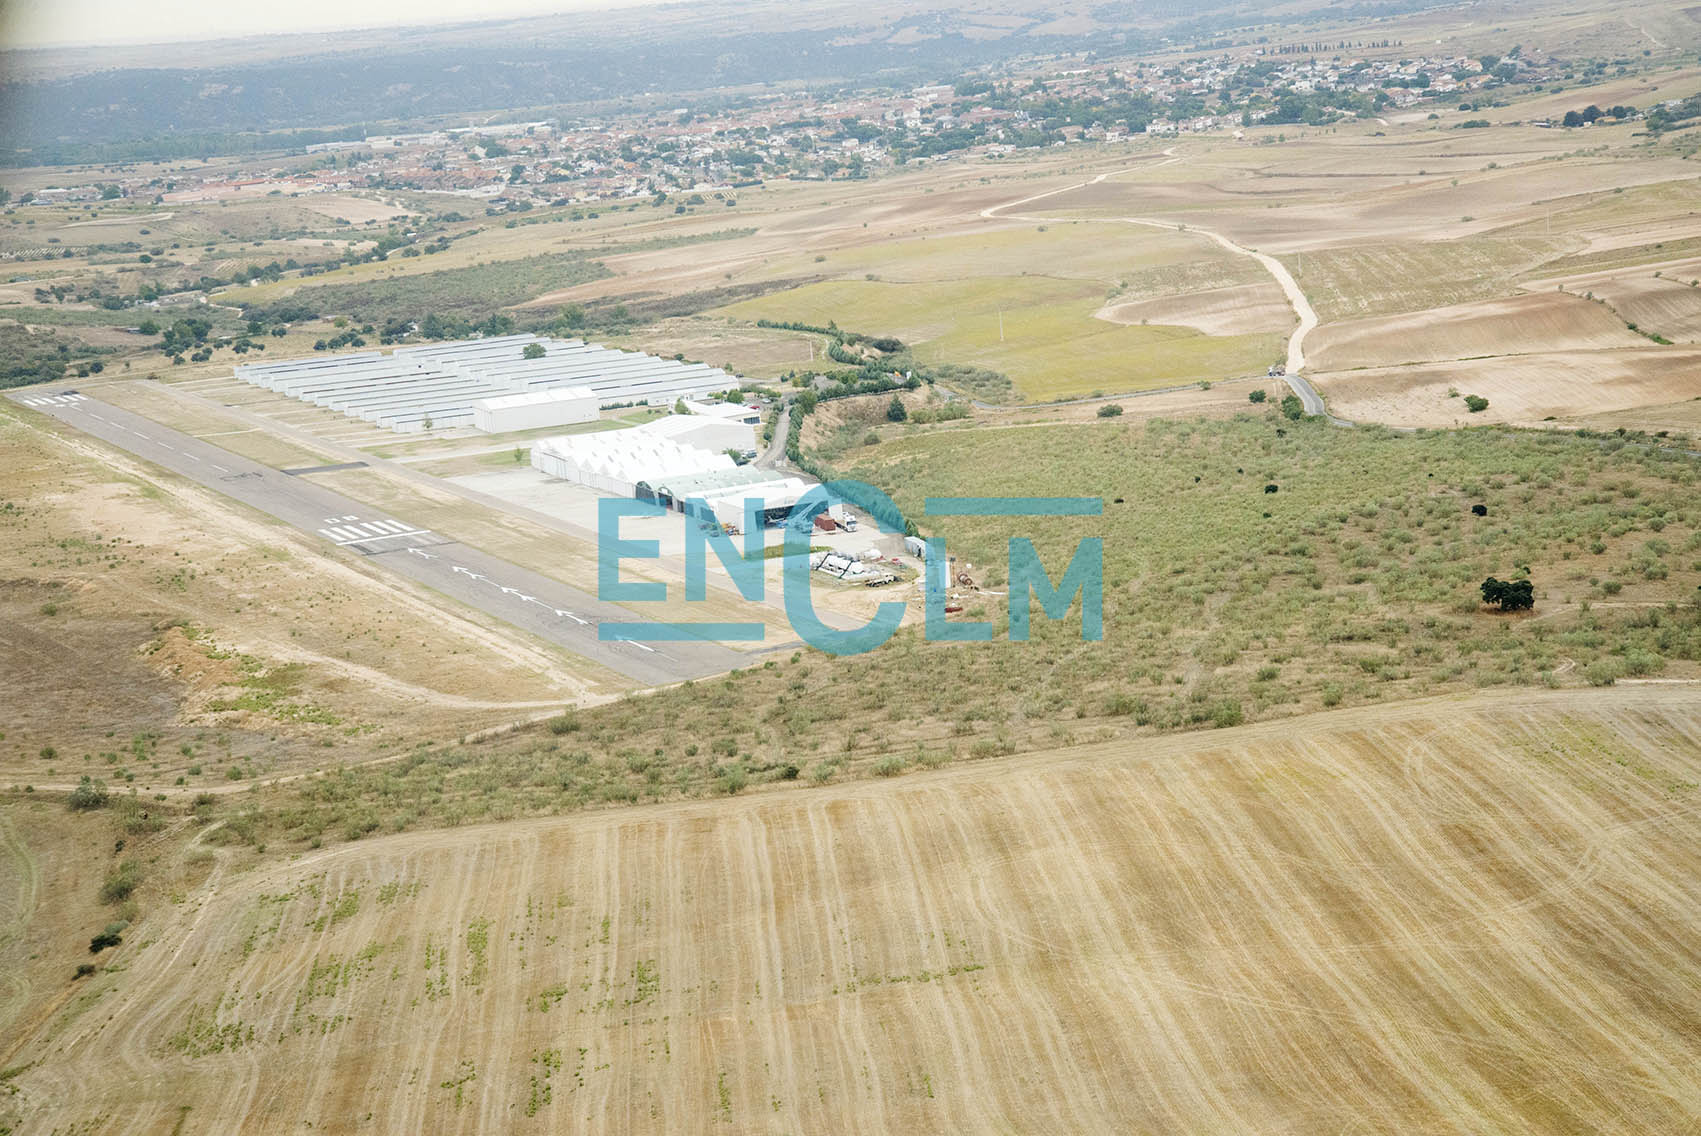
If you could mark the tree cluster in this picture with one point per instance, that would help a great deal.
(1510, 595)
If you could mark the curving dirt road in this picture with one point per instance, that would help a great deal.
(1278, 271)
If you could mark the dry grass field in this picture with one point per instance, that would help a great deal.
(1542, 322)
(1311, 842)
(1447, 233)
(1234, 310)
(1466, 914)
(1523, 389)
(150, 627)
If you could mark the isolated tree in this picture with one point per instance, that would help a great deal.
(895, 411)
(1510, 595)
(1110, 410)
(1258, 395)
(533, 351)
(1475, 403)
(1292, 408)
(679, 407)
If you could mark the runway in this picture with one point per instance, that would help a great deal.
(544, 607)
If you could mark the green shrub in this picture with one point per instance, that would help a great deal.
(1603, 672)
(121, 882)
(1227, 713)
(1110, 410)
(889, 766)
(1121, 705)
(88, 794)
(1638, 662)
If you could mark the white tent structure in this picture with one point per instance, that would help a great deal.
(775, 499)
(705, 433)
(673, 461)
(427, 385)
(620, 461)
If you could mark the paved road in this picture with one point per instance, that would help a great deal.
(774, 456)
(532, 602)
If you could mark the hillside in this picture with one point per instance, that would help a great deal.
(1462, 914)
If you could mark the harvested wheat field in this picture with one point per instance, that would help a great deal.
(1525, 389)
(1517, 325)
(1662, 298)
(1245, 309)
(1467, 914)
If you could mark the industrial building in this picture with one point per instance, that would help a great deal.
(728, 411)
(619, 461)
(672, 461)
(562, 406)
(706, 433)
(439, 385)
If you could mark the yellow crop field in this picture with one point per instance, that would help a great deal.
(1465, 914)
(1040, 331)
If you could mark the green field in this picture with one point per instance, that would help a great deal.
(469, 293)
(1039, 331)
(1070, 250)
(1021, 301)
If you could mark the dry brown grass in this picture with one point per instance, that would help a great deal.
(1452, 915)
(1524, 389)
(103, 558)
(1243, 310)
(1542, 322)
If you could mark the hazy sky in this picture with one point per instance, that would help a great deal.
(32, 23)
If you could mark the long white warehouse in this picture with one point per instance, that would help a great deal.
(561, 406)
(438, 385)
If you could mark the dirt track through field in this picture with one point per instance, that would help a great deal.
(1466, 914)
(1278, 271)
